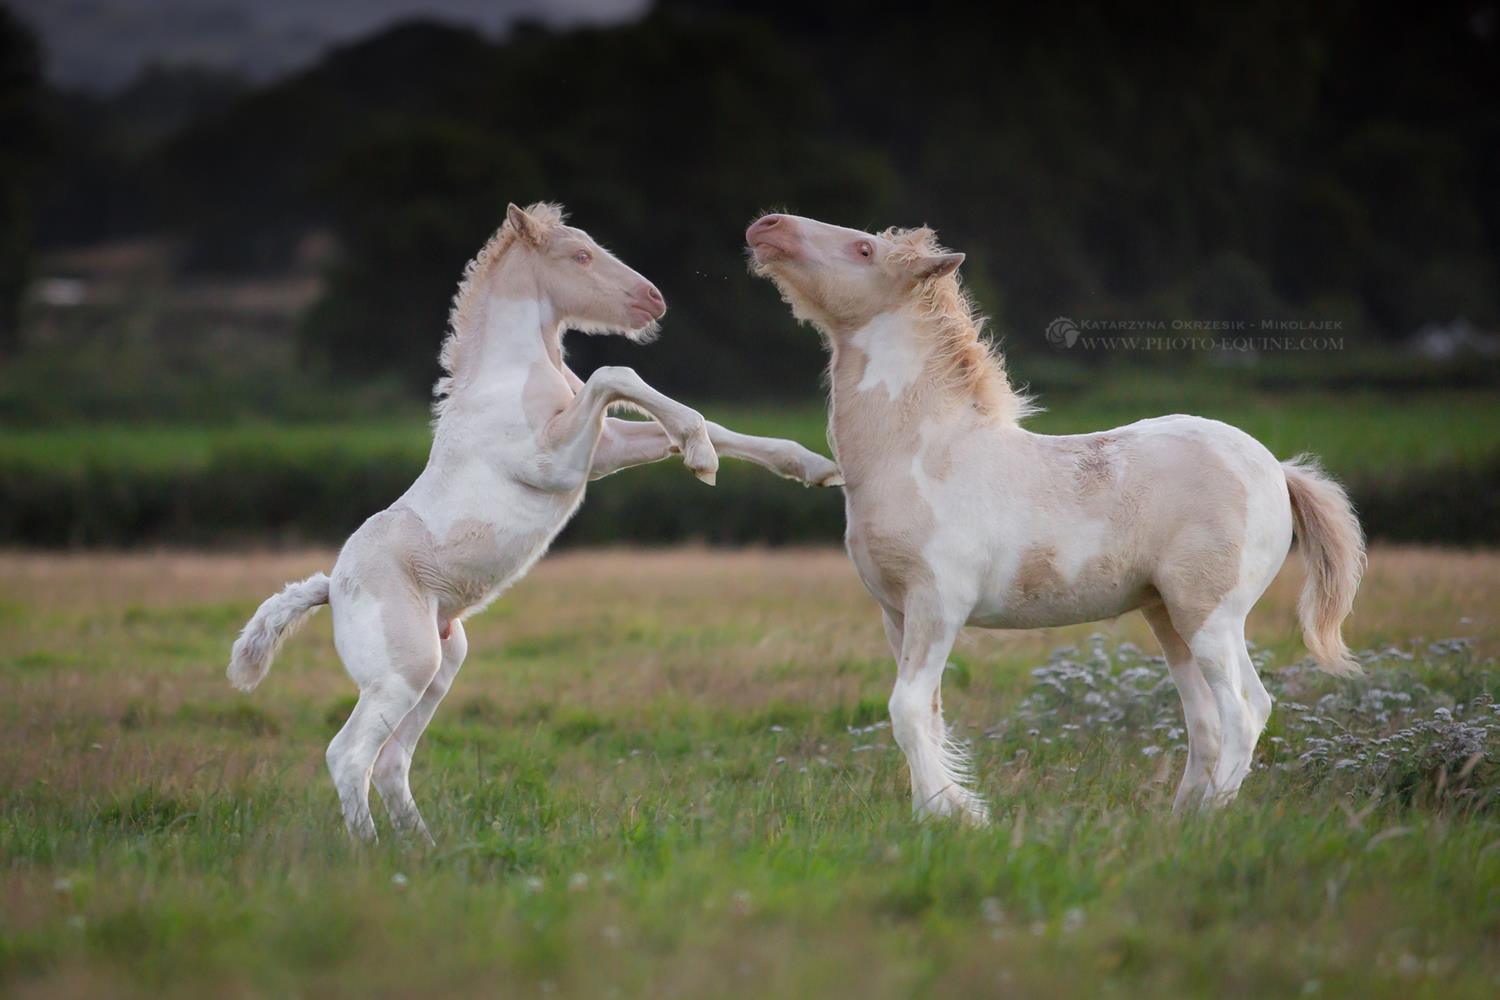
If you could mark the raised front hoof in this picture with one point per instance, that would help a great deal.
(826, 475)
(811, 469)
(699, 456)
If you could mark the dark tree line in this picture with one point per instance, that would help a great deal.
(1276, 159)
(22, 149)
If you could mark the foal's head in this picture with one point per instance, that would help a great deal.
(591, 290)
(839, 279)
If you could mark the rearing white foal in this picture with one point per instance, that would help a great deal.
(959, 516)
(517, 438)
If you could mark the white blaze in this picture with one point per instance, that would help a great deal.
(893, 359)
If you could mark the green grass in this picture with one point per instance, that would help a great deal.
(667, 776)
(181, 446)
(1354, 433)
(1422, 466)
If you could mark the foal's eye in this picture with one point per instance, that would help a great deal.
(864, 249)
(583, 256)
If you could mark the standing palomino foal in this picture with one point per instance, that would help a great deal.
(959, 516)
(517, 438)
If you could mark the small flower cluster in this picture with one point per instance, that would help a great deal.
(1421, 723)
(1395, 743)
(1116, 691)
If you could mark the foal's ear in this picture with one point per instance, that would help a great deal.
(936, 265)
(523, 224)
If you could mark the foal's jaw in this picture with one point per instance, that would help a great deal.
(604, 296)
(646, 309)
(637, 326)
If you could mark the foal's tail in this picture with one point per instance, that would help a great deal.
(1333, 549)
(273, 624)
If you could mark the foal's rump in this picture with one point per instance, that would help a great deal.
(1215, 516)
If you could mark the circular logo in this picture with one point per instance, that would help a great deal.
(1062, 332)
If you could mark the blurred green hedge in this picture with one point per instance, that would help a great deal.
(319, 495)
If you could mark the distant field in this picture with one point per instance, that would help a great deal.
(1355, 433)
(1424, 466)
(667, 774)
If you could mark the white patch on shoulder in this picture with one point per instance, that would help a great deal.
(892, 358)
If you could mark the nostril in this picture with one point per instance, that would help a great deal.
(653, 294)
(769, 221)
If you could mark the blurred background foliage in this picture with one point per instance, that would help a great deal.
(198, 248)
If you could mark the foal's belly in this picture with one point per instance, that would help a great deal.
(1065, 609)
(1040, 589)
(478, 558)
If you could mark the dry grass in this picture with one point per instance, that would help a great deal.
(101, 636)
(758, 610)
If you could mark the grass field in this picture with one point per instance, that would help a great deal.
(1354, 433)
(1422, 465)
(666, 774)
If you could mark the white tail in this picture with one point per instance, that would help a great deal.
(1333, 549)
(273, 623)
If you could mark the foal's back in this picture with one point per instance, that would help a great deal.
(1089, 526)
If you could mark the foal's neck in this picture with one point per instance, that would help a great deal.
(885, 369)
(881, 386)
(890, 382)
(516, 329)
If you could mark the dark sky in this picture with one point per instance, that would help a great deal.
(101, 44)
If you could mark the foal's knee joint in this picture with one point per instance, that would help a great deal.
(908, 710)
(616, 376)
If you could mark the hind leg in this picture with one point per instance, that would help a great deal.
(1254, 690)
(1200, 712)
(1217, 648)
(389, 644)
(392, 772)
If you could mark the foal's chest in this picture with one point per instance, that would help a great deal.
(885, 546)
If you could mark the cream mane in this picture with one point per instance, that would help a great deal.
(964, 359)
(467, 311)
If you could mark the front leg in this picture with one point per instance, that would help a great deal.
(627, 443)
(940, 770)
(571, 438)
(785, 458)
